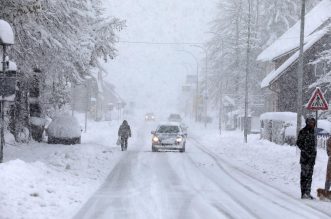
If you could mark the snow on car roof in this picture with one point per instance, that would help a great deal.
(6, 33)
(290, 39)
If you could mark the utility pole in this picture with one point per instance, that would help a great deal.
(206, 78)
(300, 67)
(247, 70)
(73, 100)
(2, 128)
(88, 99)
(220, 117)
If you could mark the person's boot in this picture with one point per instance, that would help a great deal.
(311, 197)
(307, 196)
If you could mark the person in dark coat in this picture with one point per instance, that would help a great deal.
(306, 143)
(124, 132)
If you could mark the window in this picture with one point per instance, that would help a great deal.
(168, 129)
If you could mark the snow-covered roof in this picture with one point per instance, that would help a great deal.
(12, 66)
(6, 33)
(311, 40)
(290, 40)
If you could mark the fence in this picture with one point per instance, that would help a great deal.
(321, 141)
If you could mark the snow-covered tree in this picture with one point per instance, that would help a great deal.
(269, 20)
(64, 39)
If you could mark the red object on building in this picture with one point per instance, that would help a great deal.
(317, 101)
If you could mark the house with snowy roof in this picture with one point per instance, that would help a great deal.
(280, 85)
(96, 95)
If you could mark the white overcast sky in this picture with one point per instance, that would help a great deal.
(152, 75)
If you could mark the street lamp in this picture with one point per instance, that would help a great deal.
(6, 39)
(206, 70)
(197, 82)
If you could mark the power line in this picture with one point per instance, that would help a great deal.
(159, 43)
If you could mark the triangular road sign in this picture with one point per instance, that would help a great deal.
(317, 101)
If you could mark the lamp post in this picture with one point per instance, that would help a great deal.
(88, 98)
(206, 78)
(301, 67)
(247, 71)
(197, 82)
(6, 39)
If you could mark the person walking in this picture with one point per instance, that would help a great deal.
(307, 144)
(124, 132)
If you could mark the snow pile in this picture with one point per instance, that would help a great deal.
(276, 165)
(6, 33)
(64, 126)
(53, 181)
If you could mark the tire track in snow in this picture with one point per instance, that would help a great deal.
(198, 202)
(279, 194)
(236, 201)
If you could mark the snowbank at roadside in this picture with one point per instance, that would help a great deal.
(276, 165)
(54, 181)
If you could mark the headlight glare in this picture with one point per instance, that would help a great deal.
(155, 139)
(179, 139)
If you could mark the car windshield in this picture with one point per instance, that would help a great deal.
(168, 129)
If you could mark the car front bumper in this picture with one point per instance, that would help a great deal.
(169, 146)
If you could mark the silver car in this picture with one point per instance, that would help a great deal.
(168, 137)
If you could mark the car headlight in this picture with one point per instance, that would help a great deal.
(179, 139)
(155, 139)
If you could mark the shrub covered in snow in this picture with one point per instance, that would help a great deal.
(64, 129)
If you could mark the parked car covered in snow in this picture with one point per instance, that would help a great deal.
(64, 129)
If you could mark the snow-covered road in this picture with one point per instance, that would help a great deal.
(195, 184)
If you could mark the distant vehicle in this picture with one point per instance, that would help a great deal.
(184, 127)
(150, 117)
(175, 118)
(169, 137)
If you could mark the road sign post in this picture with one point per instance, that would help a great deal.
(317, 102)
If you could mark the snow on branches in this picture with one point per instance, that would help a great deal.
(60, 37)
(64, 39)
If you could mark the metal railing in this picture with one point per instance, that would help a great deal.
(322, 140)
